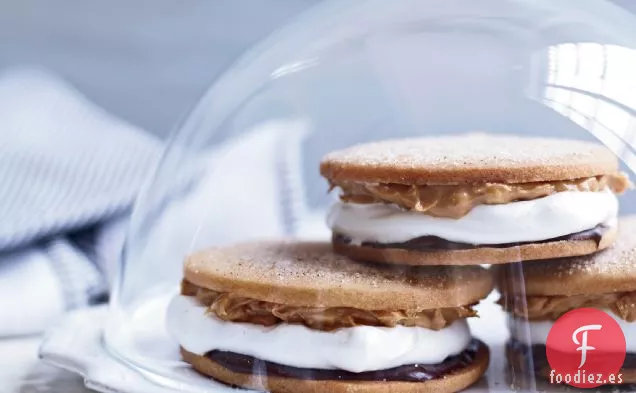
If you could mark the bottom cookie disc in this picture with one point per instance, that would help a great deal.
(424, 251)
(517, 354)
(454, 374)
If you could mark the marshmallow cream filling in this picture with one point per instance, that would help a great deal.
(545, 218)
(355, 349)
(538, 331)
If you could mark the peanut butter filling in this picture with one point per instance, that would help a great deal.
(233, 308)
(541, 308)
(455, 201)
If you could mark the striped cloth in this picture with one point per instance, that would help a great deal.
(68, 175)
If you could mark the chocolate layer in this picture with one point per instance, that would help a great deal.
(434, 243)
(410, 373)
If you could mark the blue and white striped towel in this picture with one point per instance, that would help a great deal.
(69, 173)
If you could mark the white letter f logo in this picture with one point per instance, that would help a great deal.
(584, 347)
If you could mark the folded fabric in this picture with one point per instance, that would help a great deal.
(68, 173)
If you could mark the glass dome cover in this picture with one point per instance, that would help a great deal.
(245, 164)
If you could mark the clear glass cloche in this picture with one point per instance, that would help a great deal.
(245, 164)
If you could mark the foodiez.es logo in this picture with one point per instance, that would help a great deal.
(586, 349)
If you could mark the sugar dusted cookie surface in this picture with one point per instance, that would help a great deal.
(311, 274)
(469, 159)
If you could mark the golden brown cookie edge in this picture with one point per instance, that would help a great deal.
(463, 292)
(516, 362)
(592, 274)
(336, 171)
(595, 159)
(475, 256)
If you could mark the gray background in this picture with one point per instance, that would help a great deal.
(147, 61)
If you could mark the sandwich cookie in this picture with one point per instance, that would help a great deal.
(295, 317)
(606, 280)
(473, 199)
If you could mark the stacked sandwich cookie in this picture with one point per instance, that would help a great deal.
(384, 307)
(473, 199)
(288, 316)
(606, 280)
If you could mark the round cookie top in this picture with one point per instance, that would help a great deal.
(310, 274)
(611, 270)
(468, 158)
